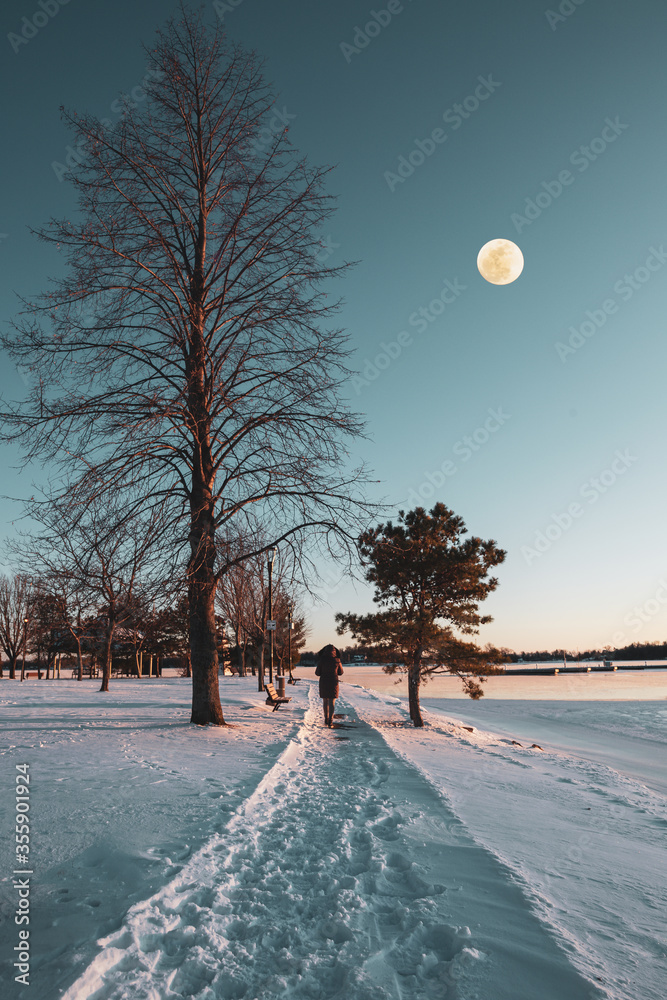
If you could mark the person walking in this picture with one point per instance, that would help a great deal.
(329, 668)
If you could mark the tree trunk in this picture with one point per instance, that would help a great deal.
(202, 586)
(237, 646)
(224, 650)
(202, 583)
(206, 707)
(414, 678)
(106, 669)
(12, 668)
(79, 661)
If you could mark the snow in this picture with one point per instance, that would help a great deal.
(280, 858)
(123, 791)
(585, 840)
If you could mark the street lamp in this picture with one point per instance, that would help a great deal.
(289, 641)
(271, 624)
(25, 630)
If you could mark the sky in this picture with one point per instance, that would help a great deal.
(536, 410)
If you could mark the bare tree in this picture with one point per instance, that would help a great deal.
(188, 352)
(60, 606)
(286, 612)
(243, 600)
(46, 614)
(169, 630)
(107, 558)
(232, 600)
(15, 596)
(73, 595)
(254, 611)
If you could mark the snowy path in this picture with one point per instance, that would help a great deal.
(315, 889)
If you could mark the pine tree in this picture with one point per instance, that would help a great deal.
(429, 581)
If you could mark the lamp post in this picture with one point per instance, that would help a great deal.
(289, 641)
(25, 631)
(271, 624)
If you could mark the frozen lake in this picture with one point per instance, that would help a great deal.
(629, 736)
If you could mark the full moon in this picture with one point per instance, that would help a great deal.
(500, 262)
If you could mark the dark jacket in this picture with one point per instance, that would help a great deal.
(328, 669)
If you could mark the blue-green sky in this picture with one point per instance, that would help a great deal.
(583, 92)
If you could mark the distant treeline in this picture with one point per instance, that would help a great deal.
(635, 651)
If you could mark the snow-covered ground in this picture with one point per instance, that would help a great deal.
(279, 858)
(123, 791)
(585, 840)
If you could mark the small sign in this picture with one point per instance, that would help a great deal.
(270, 626)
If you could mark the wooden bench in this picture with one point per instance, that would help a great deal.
(274, 698)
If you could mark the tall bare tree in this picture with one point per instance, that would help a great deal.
(15, 597)
(189, 350)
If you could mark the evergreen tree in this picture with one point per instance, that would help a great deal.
(429, 581)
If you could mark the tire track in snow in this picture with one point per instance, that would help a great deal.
(310, 892)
